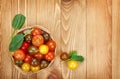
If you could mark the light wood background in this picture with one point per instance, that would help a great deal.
(92, 27)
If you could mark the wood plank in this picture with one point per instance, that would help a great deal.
(116, 39)
(73, 35)
(0, 39)
(14, 11)
(48, 15)
(5, 31)
(99, 39)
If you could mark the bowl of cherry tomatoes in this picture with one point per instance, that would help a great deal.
(37, 51)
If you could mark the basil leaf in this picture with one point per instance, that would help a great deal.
(77, 58)
(18, 21)
(16, 42)
(73, 53)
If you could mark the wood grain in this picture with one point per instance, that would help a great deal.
(6, 66)
(73, 34)
(116, 39)
(99, 39)
(89, 26)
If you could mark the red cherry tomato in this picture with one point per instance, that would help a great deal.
(24, 46)
(39, 56)
(37, 40)
(19, 54)
(36, 31)
(50, 56)
(52, 45)
(28, 58)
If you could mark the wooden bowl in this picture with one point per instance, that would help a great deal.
(30, 72)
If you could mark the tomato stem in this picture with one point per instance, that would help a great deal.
(13, 34)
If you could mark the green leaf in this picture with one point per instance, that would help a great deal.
(77, 58)
(16, 42)
(73, 53)
(18, 21)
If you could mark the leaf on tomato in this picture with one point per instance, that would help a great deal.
(18, 21)
(73, 53)
(16, 42)
(77, 58)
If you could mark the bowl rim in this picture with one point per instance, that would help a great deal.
(51, 62)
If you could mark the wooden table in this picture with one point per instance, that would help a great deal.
(92, 27)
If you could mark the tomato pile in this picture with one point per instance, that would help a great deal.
(36, 51)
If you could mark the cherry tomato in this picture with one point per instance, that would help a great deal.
(19, 62)
(32, 50)
(52, 45)
(36, 31)
(44, 64)
(19, 55)
(43, 49)
(28, 58)
(28, 38)
(37, 40)
(35, 69)
(50, 56)
(64, 56)
(72, 64)
(39, 56)
(26, 67)
(46, 36)
(24, 46)
(35, 62)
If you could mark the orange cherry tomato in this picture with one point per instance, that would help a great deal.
(19, 54)
(37, 40)
(36, 31)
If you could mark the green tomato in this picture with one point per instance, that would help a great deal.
(44, 64)
(19, 62)
(32, 50)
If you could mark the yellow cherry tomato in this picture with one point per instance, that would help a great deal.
(26, 67)
(72, 64)
(35, 69)
(43, 49)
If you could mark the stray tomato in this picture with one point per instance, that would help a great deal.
(43, 49)
(24, 46)
(64, 56)
(35, 69)
(19, 55)
(36, 31)
(26, 67)
(39, 56)
(50, 56)
(72, 64)
(19, 62)
(32, 50)
(37, 40)
(28, 38)
(44, 64)
(52, 45)
(28, 58)
(35, 62)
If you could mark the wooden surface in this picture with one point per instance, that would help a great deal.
(91, 27)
